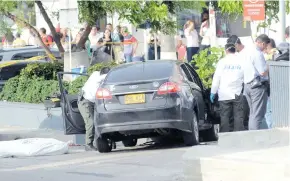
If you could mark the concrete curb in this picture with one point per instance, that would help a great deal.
(242, 156)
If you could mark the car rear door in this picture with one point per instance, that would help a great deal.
(196, 91)
(73, 120)
(135, 86)
(212, 110)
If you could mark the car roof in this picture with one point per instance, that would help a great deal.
(149, 62)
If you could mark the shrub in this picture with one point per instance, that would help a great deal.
(48, 70)
(206, 61)
(38, 81)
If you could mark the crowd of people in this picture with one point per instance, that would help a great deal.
(244, 73)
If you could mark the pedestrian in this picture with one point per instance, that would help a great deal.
(130, 45)
(108, 43)
(241, 52)
(151, 47)
(191, 36)
(271, 50)
(46, 39)
(86, 102)
(180, 51)
(18, 42)
(256, 82)
(228, 85)
(205, 32)
(94, 36)
(118, 46)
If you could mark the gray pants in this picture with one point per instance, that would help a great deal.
(86, 109)
(257, 100)
(232, 109)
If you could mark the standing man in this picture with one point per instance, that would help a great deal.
(256, 82)
(130, 45)
(47, 39)
(241, 52)
(228, 84)
(86, 102)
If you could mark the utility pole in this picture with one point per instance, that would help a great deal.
(282, 18)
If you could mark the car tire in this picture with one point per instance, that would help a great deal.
(130, 142)
(192, 138)
(103, 145)
(210, 134)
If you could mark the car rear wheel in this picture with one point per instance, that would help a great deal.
(192, 138)
(130, 142)
(210, 134)
(104, 145)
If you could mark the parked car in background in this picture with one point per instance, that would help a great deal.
(145, 100)
(22, 53)
(10, 71)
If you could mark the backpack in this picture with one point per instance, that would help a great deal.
(283, 52)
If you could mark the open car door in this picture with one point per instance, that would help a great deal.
(212, 109)
(72, 118)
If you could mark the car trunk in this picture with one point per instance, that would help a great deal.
(135, 95)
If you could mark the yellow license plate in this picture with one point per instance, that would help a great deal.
(135, 99)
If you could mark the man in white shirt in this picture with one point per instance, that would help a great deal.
(241, 52)
(86, 104)
(228, 84)
(256, 82)
(95, 36)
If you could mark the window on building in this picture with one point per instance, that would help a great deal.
(222, 25)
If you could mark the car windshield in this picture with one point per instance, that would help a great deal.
(140, 72)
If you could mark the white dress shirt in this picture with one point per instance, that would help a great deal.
(228, 78)
(206, 36)
(91, 86)
(95, 38)
(191, 38)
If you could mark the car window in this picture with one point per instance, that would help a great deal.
(11, 71)
(194, 75)
(23, 56)
(140, 72)
(186, 72)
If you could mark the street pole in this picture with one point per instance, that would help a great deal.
(282, 18)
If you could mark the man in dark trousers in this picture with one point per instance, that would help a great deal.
(228, 84)
(86, 103)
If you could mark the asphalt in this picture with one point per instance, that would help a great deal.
(141, 163)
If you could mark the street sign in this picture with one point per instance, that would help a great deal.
(254, 10)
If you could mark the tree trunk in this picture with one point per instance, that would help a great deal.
(83, 39)
(35, 32)
(51, 27)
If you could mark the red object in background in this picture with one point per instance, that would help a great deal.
(181, 50)
(57, 29)
(254, 10)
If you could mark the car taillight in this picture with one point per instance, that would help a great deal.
(168, 87)
(103, 94)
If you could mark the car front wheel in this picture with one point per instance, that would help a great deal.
(104, 145)
(210, 134)
(192, 138)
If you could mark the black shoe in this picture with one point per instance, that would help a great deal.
(90, 147)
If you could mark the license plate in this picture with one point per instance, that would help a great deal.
(135, 99)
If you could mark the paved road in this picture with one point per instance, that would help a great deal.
(142, 163)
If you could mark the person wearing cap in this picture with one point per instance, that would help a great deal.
(228, 85)
(86, 102)
(256, 83)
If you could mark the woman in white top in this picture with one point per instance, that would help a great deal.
(205, 34)
(191, 36)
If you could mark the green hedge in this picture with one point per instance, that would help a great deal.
(38, 81)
